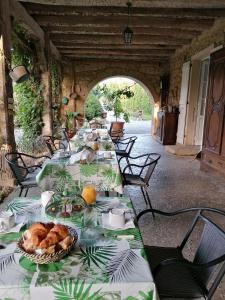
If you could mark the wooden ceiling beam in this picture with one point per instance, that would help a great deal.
(121, 58)
(107, 39)
(69, 45)
(117, 30)
(139, 3)
(61, 10)
(201, 24)
(137, 52)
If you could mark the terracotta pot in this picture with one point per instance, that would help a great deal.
(70, 134)
(117, 126)
(19, 74)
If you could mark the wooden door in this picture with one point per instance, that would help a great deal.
(183, 102)
(215, 104)
(202, 95)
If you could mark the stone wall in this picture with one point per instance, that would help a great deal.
(215, 35)
(88, 73)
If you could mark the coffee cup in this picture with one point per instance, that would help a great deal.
(7, 220)
(117, 217)
(46, 197)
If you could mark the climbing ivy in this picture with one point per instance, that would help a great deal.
(55, 88)
(55, 79)
(27, 95)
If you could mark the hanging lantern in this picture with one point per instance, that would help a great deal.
(128, 32)
(127, 35)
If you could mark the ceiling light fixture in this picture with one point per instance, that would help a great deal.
(128, 32)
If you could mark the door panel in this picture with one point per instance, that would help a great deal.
(215, 106)
(183, 102)
(202, 94)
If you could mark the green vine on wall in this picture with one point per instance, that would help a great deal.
(27, 95)
(55, 88)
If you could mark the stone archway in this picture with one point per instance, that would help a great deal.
(146, 85)
(84, 75)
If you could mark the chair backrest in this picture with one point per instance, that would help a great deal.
(17, 165)
(211, 247)
(150, 164)
(130, 144)
(65, 135)
(49, 146)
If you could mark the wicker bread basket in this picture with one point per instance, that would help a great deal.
(48, 258)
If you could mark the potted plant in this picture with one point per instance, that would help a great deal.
(113, 102)
(70, 128)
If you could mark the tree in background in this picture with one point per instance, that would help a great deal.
(137, 100)
(93, 107)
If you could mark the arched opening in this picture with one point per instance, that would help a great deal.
(139, 107)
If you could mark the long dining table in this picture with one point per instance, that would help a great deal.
(103, 172)
(107, 262)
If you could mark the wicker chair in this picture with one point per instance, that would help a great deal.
(140, 174)
(25, 175)
(177, 277)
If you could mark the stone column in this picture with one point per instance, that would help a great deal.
(47, 115)
(6, 91)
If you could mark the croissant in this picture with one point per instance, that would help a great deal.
(50, 250)
(28, 234)
(61, 230)
(66, 242)
(49, 226)
(37, 226)
(51, 239)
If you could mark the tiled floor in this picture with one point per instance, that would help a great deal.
(176, 183)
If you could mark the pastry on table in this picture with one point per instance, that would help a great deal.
(46, 238)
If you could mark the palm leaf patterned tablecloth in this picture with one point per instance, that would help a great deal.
(105, 175)
(111, 268)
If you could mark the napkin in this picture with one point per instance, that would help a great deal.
(13, 229)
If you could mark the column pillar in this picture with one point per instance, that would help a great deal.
(6, 90)
(47, 92)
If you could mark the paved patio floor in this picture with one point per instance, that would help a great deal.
(176, 183)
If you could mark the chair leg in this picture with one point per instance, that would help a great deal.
(143, 193)
(21, 191)
(26, 192)
(149, 201)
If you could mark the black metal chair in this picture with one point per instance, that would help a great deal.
(25, 175)
(177, 277)
(140, 174)
(124, 147)
(53, 144)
